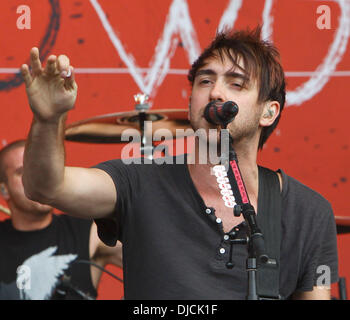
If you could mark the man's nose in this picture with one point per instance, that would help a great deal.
(217, 92)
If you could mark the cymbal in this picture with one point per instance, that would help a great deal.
(109, 128)
(343, 224)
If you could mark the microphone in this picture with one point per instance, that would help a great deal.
(217, 112)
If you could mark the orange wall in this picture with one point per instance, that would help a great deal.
(312, 140)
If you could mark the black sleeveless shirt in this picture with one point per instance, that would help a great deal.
(34, 263)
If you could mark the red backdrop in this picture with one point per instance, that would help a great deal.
(118, 46)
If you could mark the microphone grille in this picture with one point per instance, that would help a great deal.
(230, 108)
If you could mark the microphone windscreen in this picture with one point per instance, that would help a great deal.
(230, 109)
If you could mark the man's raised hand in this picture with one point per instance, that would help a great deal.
(52, 90)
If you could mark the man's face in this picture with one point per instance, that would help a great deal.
(13, 162)
(221, 80)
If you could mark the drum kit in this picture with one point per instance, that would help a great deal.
(109, 128)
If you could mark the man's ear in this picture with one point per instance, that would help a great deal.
(3, 191)
(271, 111)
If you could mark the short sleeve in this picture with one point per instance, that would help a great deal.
(321, 260)
(124, 176)
(328, 259)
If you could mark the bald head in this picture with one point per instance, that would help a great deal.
(3, 154)
(12, 190)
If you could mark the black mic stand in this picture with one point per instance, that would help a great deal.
(255, 243)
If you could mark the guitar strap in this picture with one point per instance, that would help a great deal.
(269, 221)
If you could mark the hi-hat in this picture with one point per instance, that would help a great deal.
(109, 128)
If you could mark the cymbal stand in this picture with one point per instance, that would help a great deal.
(147, 146)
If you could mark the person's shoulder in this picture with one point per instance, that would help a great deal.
(301, 193)
(5, 224)
(65, 219)
(5, 221)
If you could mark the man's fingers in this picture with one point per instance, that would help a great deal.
(51, 65)
(26, 75)
(35, 61)
(70, 78)
(63, 65)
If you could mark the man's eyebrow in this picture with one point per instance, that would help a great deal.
(209, 72)
(229, 74)
(233, 74)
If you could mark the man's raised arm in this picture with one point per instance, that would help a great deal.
(82, 192)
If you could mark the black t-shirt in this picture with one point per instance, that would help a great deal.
(32, 263)
(173, 249)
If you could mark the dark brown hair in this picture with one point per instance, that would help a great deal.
(261, 62)
(3, 152)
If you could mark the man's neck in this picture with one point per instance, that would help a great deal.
(247, 157)
(24, 221)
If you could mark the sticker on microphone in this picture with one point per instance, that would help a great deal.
(224, 185)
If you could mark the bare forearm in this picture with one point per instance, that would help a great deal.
(52, 92)
(318, 293)
(44, 160)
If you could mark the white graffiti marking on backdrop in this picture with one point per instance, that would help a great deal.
(229, 17)
(178, 21)
(267, 20)
(335, 53)
(179, 25)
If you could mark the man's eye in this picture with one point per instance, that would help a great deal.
(204, 81)
(235, 84)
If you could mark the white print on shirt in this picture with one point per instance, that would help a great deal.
(325, 276)
(39, 275)
(224, 185)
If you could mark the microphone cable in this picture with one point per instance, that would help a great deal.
(99, 267)
(66, 284)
